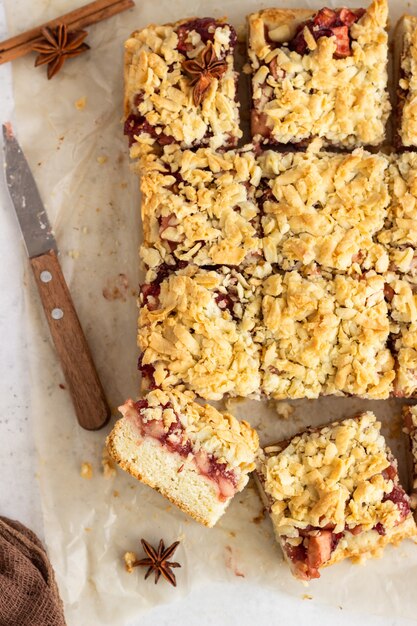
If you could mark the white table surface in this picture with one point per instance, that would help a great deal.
(19, 492)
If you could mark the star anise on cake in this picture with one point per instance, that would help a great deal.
(203, 70)
(157, 561)
(57, 45)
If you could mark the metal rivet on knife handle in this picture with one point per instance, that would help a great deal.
(46, 276)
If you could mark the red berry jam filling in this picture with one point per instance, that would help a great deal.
(312, 553)
(205, 27)
(400, 498)
(225, 302)
(147, 373)
(328, 23)
(175, 440)
(149, 295)
(228, 301)
(149, 292)
(168, 221)
(136, 125)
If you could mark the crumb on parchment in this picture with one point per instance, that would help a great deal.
(129, 558)
(80, 104)
(283, 409)
(307, 596)
(102, 159)
(86, 470)
(108, 465)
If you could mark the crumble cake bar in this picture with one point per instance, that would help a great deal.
(324, 209)
(180, 86)
(319, 74)
(402, 298)
(363, 364)
(405, 53)
(333, 492)
(410, 428)
(400, 232)
(199, 207)
(195, 331)
(324, 336)
(193, 455)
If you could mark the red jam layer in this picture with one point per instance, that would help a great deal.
(316, 549)
(328, 23)
(176, 440)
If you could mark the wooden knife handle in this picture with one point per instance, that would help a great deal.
(87, 392)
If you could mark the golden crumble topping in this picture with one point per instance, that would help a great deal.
(324, 209)
(410, 428)
(325, 336)
(408, 81)
(298, 97)
(195, 330)
(299, 327)
(400, 232)
(159, 94)
(363, 364)
(402, 296)
(331, 477)
(199, 207)
(219, 434)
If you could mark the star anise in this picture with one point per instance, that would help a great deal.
(57, 45)
(203, 70)
(157, 561)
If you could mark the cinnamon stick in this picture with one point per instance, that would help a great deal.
(86, 15)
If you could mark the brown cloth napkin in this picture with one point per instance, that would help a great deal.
(28, 592)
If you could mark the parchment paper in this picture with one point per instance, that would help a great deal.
(71, 132)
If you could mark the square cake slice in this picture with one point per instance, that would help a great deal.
(410, 428)
(195, 330)
(405, 67)
(324, 210)
(325, 336)
(401, 296)
(399, 235)
(362, 361)
(333, 492)
(193, 455)
(319, 74)
(199, 207)
(180, 86)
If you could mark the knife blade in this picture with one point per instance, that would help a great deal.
(71, 345)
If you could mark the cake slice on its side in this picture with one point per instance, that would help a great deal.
(333, 492)
(193, 455)
(405, 69)
(410, 428)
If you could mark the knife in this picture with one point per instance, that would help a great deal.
(84, 384)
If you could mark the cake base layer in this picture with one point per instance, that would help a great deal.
(166, 472)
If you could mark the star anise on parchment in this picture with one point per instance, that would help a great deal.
(57, 45)
(157, 561)
(203, 70)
